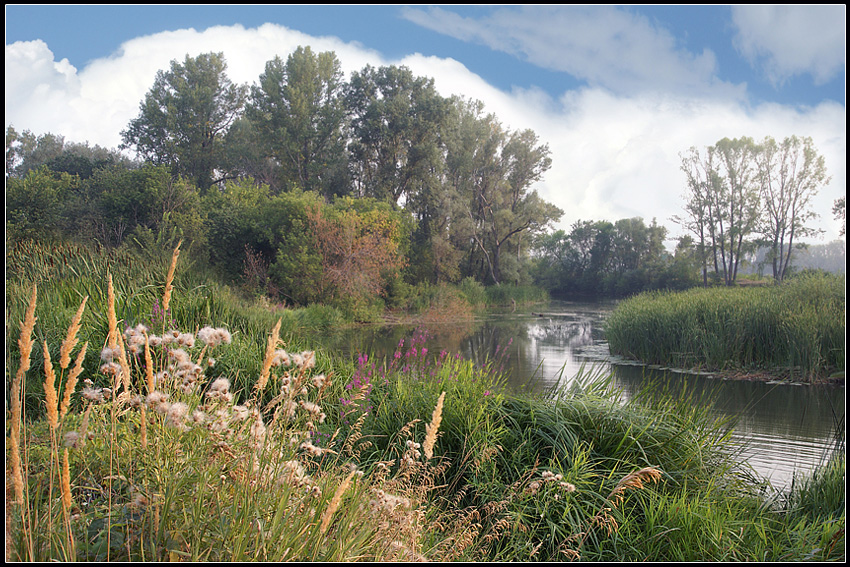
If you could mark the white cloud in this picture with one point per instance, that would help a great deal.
(602, 45)
(614, 155)
(793, 40)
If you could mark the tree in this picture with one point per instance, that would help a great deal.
(790, 174)
(839, 209)
(299, 114)
(723, 204)
(492, 171)
(396, 121)
(185, 116)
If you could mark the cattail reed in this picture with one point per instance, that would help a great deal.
(50, 397)
(431, 428)
(71, 383)
(25, 345)
(166, 297)
(271, 346)
(71, 339)
(335, 501)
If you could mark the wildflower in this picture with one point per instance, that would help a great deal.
(319, 381)
(281, 358)
(240, 413)
(214, 337)
(186, 339)
(177, 414)
(93, 394)
(158, 401)
(312, 449)
(108, 354)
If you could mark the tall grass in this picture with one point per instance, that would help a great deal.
(795, 329)
(164, 456)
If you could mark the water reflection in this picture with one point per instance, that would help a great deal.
(783, 428)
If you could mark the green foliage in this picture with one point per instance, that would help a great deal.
(35, 204)
(184, 118)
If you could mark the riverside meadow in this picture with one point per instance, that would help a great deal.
(153, 415)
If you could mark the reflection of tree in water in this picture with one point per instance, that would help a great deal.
(563, 332)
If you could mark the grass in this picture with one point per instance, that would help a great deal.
(177, 450)
(795, 329)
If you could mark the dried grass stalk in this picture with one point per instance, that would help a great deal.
(335, 501)
(25, 343)
(125, 365)
(67, 502)
(112, 337)
(50, 397)
(71, 338)
(634, 480)
(273, 341)
(166, 298)
(71, 384)
(149, 377)
(431, 428)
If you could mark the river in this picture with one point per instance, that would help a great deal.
(784, 430)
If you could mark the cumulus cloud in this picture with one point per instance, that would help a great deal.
(602, 45)
(793, 40)
(615, 154)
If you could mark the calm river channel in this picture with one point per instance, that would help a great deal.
(783, 429)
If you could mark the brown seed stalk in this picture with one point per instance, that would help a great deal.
(71, 339)
(50, 397)
(71, 384)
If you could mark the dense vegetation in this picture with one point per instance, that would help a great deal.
(153, 418)
(796, 329)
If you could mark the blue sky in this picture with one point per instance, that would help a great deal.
(616, 91)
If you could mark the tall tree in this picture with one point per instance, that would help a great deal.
(298, 110)
(790, 174)
(396, 120)
(493, 171)
(185, 116)
(723, 201)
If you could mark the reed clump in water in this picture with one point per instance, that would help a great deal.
(795, 329)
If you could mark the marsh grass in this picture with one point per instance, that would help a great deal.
(795, 329)
(168, 451)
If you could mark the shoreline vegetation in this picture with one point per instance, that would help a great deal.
(794, 331)
(168, 421)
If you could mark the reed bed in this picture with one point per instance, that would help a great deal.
(134, 442)
(794, 330)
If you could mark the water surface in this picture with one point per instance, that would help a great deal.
(784, 429)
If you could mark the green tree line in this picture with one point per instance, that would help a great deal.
(312, 188)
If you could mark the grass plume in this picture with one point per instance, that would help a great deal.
(432, 428)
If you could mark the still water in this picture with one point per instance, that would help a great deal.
(783, 429)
